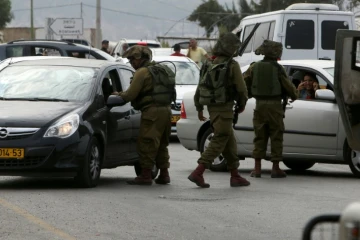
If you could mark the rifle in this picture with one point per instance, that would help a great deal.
(240, 53)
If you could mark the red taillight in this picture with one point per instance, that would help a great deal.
(182, 111)
(142, 43)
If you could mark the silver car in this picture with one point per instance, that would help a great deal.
(314, 132)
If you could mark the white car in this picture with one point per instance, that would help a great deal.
(314, 132)
(166, 51)
(187, 79)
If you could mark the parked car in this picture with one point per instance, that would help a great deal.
(118, 51)
(58, 118)
(187, 78)
(21, 48)
(314, 132)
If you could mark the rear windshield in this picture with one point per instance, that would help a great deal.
(300, 34)
(149, 45)
(328, 33)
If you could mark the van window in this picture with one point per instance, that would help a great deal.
(300, 34)
(272, 30)
(328, 33)
(247, 32)
(262, 33)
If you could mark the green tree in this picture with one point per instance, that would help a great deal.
(5, 13)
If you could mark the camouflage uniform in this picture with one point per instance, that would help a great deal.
(221, 116)
(268, 113)
(155, 125)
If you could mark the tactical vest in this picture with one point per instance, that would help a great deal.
(214, 84)
(265, 81)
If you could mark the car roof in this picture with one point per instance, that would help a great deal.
(171, 58)
(139, 40)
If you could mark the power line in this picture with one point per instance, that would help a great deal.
(169, 4)
(28, 9)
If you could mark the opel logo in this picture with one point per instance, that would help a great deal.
(3, 132)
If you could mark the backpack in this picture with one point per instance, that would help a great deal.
(214, 83)
(164, 91)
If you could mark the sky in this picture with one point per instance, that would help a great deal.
(119, 18)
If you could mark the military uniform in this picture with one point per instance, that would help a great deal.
(268, 113)
(155, 125)
(221, 117)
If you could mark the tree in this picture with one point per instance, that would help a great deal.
(5, 13)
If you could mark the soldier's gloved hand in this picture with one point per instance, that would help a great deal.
(201, 116)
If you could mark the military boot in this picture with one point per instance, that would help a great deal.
(197, 176)
(236, 180)
(143, 179)
(164, 177)
(276, 172)
(256, 173)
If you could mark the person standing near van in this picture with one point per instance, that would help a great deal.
(267, 82)
(196, 53)
(177, 50)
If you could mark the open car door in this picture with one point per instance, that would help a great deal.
(347, 83)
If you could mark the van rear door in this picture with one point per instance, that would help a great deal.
(300, 40)
(328, 25)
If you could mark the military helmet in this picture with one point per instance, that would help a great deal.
(138, 52)
(270, 49)
(227, 45)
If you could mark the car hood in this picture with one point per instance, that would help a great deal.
(182, 89)
(33, 114)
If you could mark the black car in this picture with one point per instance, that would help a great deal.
(22, 48)
(58, 118)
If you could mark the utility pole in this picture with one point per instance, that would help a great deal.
(269, 5)
(81, 10)
(32, 19)
(98, 24)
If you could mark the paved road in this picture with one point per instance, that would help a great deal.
(268, 209)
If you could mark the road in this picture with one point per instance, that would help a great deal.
(267, 209)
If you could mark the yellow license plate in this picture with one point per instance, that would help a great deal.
(12, 153)
(175, 118)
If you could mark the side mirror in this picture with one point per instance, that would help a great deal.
(325, 94)
(115, 101)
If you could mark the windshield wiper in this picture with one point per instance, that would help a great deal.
(36, 99)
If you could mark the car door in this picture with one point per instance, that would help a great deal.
(347, 83)
(126, 75)
(119, 130)
(311, 125)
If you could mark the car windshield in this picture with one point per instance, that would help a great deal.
(187, 73)
(330, 71)
(47, 83)
(104, 54)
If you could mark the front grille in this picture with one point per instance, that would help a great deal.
(20, 163)
(7, 133)
(15, 137)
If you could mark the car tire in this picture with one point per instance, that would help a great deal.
(219, 164)
(353, 159)
(89, 175)
(154, 171)
(298, 165)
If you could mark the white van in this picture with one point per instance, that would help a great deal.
(307, 31)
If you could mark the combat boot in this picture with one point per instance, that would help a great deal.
(276, 172)
(164, 177)
(236, 180)
(256, 173)
(143, 179)
(197, 176)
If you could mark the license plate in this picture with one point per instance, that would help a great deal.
(175, 119)
(17, 153)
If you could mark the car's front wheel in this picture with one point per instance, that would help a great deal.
(298, 165)
(353, 159)
(89, 174)
(219, 164)
(154, 171)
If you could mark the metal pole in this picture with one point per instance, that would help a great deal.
(81, 10)
(269, 5)
(98, 24)
(32, 19)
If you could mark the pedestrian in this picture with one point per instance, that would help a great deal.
(268, 83)
(154, 101)
(124, 47)
(105, 46)
(196, 53)
(220, 102)
(177, 50)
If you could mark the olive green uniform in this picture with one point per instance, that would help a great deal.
(155, 126)
(221, 117)
(268, 117)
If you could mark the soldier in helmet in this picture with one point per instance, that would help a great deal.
(155, 126)
(267, 82)
(231, 87)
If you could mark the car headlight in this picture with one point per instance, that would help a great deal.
(64, 128)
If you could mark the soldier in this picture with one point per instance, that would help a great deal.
(155, 126)
(268, 83)
(231, 86)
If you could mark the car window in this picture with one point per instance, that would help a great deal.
(22, 51)
(261, 34)
(126, 77)
(110, 83)
(49, 82)
(300, 34)
(247, 32)
(328, 33)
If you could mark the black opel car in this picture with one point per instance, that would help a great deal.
(58, 118)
